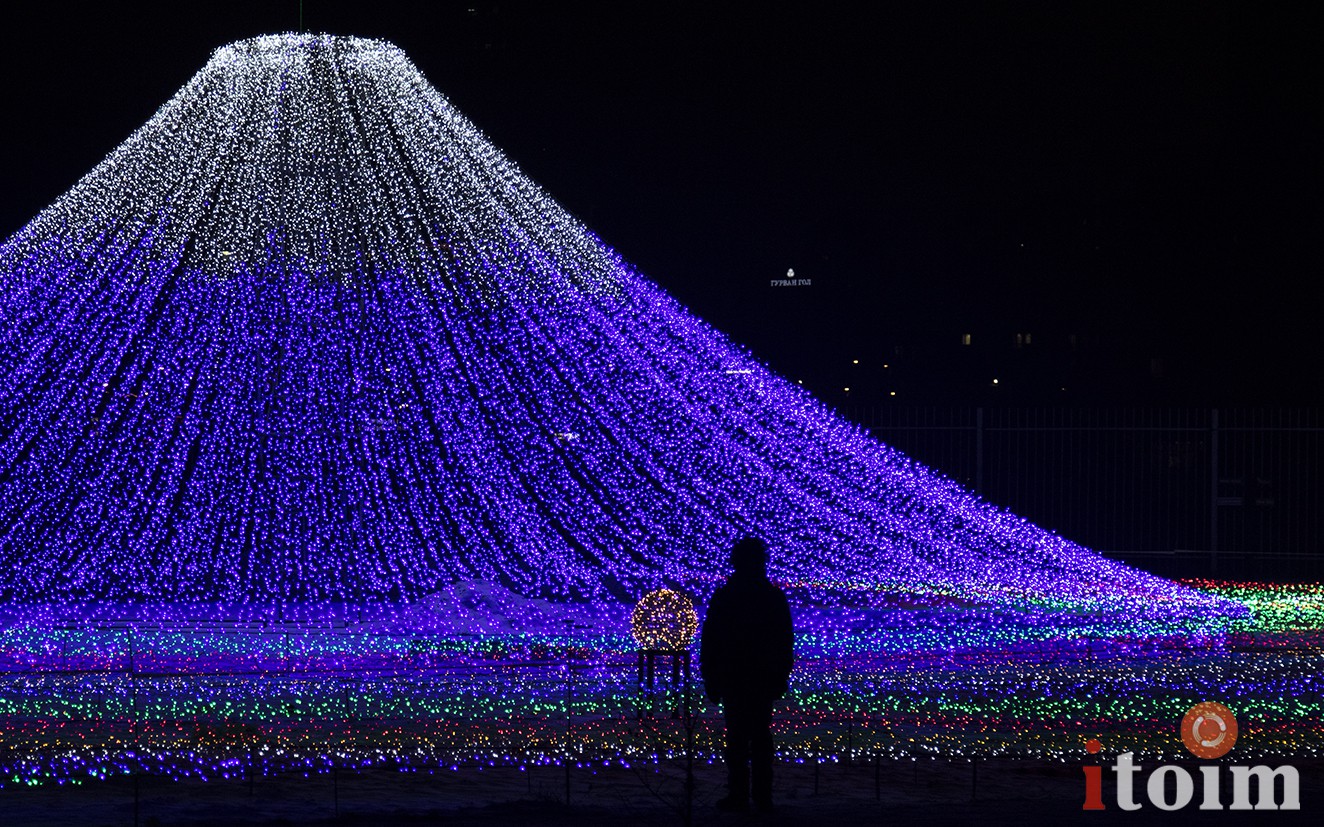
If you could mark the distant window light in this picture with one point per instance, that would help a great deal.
(1023, 339)
(965, 338)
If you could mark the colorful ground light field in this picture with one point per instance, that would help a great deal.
(480, 677)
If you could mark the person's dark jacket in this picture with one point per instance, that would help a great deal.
(746, 646)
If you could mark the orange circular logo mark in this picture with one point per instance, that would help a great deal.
(1209, 730)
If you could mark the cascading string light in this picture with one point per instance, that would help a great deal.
(307, 336)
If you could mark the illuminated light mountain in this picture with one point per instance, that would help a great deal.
(308, 335)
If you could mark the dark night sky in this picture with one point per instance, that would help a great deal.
(1142, 174)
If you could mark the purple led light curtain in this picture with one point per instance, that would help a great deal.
(308, 335)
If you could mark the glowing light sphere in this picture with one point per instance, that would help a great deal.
(307, 335)
(664, 619)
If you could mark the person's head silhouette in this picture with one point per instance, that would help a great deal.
(749, 556)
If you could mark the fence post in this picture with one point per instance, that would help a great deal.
(1213, 492)
(979, 451)
(877, 777)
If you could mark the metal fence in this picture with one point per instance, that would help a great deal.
(1182, 492)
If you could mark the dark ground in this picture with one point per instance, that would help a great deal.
(899, 792)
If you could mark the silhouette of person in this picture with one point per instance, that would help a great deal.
(745, 659)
